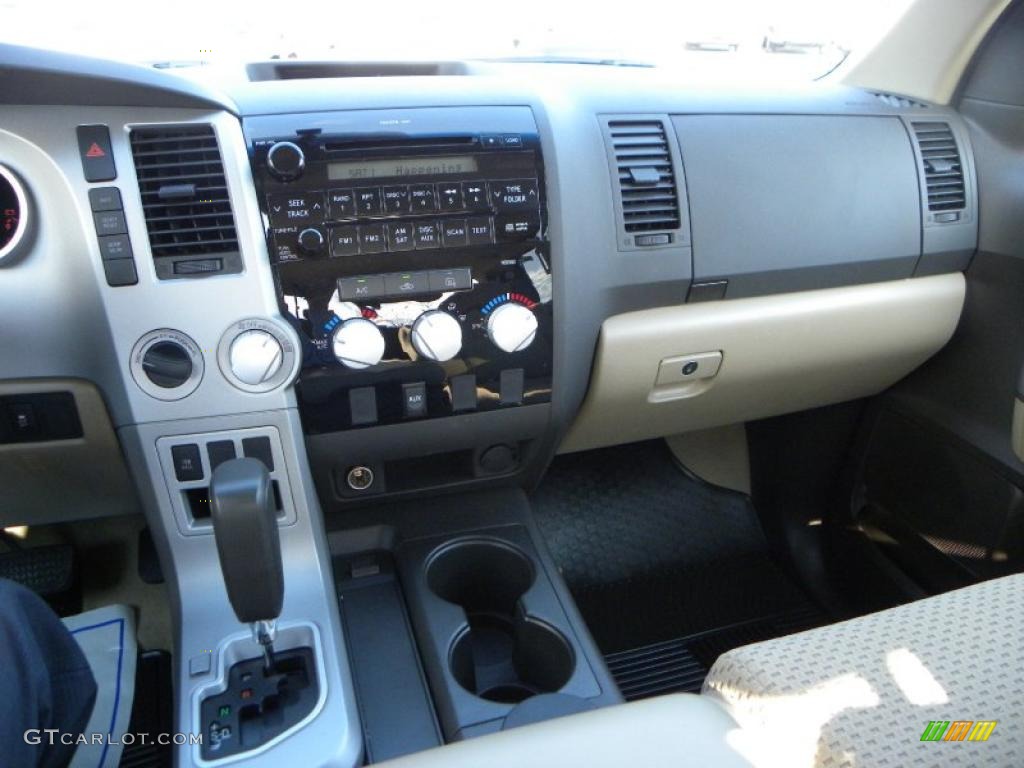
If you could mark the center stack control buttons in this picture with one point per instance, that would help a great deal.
(437, 335)
(357, 344)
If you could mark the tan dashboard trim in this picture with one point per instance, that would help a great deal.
(64, 480)
(780, 354)
(927, 51)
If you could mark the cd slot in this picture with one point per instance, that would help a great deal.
(391, 142)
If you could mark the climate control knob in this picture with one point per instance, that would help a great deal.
(358, 343)
(511, 327)
(255, 357)
(436, 335)
(285, 161)
(311, 241)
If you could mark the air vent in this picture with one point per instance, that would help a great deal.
(646, 177)
(900, 102)
(185, 200)
(943, 171)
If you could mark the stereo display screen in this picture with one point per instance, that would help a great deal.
(448, 165)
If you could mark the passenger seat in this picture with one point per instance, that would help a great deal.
(863, 692)
(860, 693)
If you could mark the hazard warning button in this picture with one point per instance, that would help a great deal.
(94, 149)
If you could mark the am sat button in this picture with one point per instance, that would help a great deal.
(399, 236)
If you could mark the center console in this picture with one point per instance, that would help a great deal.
(410, 254)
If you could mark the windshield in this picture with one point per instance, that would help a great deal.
(773, 39)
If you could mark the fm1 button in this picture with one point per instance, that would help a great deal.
(414, 400)
(344, 241)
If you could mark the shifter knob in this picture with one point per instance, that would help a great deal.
(248, 544)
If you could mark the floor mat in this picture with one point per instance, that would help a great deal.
(652, 555)
(680, 665)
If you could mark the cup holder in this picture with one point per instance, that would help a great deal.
(509, 660)
(481, 575)
(501, 655)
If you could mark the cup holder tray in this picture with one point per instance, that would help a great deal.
(490, 625)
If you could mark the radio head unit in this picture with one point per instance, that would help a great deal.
(411, 257)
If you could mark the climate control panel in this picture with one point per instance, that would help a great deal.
(414, 264)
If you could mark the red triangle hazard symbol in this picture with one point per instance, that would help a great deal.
(95, 151)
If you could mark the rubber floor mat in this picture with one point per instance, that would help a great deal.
(680, 665)
(651, 554)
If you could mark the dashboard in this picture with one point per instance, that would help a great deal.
(389, 282)
(455, 274)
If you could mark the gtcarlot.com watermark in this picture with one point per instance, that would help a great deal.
(53, 736)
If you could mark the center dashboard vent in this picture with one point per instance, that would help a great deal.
(943, 169)
(185, 201)
(641, 159)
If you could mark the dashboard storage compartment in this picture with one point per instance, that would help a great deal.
(491, 626)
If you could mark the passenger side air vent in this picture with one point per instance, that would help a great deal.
(900, 102)
(943, 171)
(640, 156)
(185, 201)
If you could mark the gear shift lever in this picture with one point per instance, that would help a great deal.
(249, 547)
